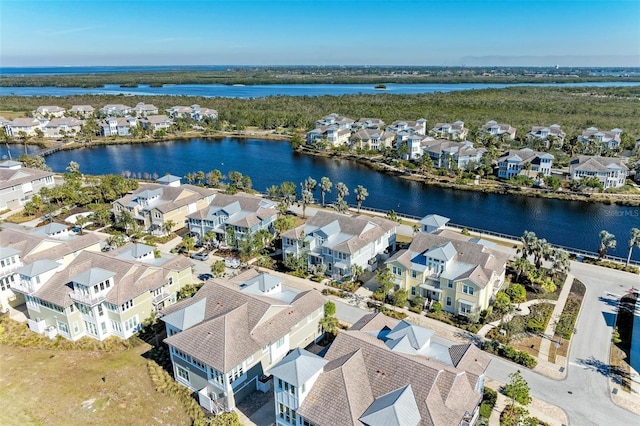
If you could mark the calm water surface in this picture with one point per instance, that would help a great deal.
(567, 223)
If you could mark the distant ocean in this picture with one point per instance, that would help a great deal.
(15, 71)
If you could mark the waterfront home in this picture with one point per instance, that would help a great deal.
(21, 124)
(372, 139)
(381, 372)
(407, 128)
(368, 124)
(58, 127)
(198, 113)
(52, 111)
(450, 154)
(493, 128)
(611, 172)
(548, 135)
(4, 122)
(118, 110)
(84, 111)
(337, 120)
(453, 131)
(153, 204)
(340, 242)
(101, 295)
(432, 223)
(227, 336)
(512, 162)
(179, 111)
(606, 140)
(19, 248)
(450, 268)
(18, 184)
(156, 122)
(333, 135)
(117, 126)
(233, 217)
(143, 110)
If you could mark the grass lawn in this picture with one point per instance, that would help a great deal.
(52, 386)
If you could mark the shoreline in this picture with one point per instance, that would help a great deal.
(496, 187)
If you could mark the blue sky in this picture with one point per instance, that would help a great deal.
(473, 32)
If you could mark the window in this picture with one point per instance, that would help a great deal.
(414, 274)
(127, 305)
(100, 310)
(104, 327)
(279, 383)
(467, 289)
(280, 342)
(448, 300)
(63, 327)
(465, 309)
(182, 373)
(450, 284)
(396, 270)
(413, 291)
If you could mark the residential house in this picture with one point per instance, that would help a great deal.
(223, 339)
(143, 110)
(335, 119)
(372, 139)
(179, 111)
(49, 112)
(19, 247)
(118, 110)
(512, 162)
(18, 184)
(606, 140)
(340, 242)
(450, 268)
(233, 216)
(153, 204)
(117, 126)
(453, 131)
(407, 129)
(198, 113)
(450, 154)
(333, 135)
(611, 172)
(432, 223)
(368, 124)
(3, 123)
(549, 135)
(26, 125)
(69, 125)
(156, 122)
(499, 130)
(381, 372)
(100, 295)
(84, 111)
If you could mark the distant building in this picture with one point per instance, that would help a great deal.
(495, 129)
(611, 172)
(156, 122)
(117, 126)
(118, 110)
(606, 140)
(194, 111)
(548, 135)
(84, 111)
(453, 131)
(512, 162)
(450, 154)
(143, 110)
(368, 124)
(68, 125)
(49, 112)
(372, 139)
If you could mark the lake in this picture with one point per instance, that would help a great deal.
(261, 91)
(567, 223)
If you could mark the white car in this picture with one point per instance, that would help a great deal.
(232, 262)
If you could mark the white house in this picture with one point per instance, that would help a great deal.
(117, 126)
(606, 140)
(18, 184)
(115, 109)
(495, 129)
(156, 122)
(26, 125)
(68, 125)
(611, 172)
(52, 111)
(454, 131)
(340, 242)
(143, 110)
(372, 139)
(547, 134)
(84, 111)
(450, 154)
(511, 163)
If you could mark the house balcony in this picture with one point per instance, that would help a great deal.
(211, 401)
(86, 299)
(8, 269)
(160, 298)
(23, 286)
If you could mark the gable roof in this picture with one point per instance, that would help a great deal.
(298, 367)
(434, 220)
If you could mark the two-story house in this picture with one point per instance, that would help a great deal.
(50, 111)
(610, 171)
(606, 140)
(368, 123)
(450, 268)
(59, 127)
(143, 110)
(549, 135)
(153, 204)
(18, 184)
(198, 113)
(117, 110)
(341, 241)
(117, 126)
(372, 139)
(156, 122)
(83, 111)
(453, 131)
(335, 119)
(100, 295)
(512, 162)
(494, 128)
(26, 125)
(381, 372)
(450, 154)
(223, 339)
(244, 214)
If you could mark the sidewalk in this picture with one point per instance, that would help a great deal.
(545, 344)
(524, 310)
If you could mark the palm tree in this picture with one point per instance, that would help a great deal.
(361, 195)
(306, 198)
(520, 265)
(168, 226)
(607, 241)
(528, 240)
(541, 251)
(342, 190)
(309, 184)
(560, 260)
(341, 206)
(325, 186)
(634, 241)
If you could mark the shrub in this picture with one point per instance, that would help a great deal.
(436, 306)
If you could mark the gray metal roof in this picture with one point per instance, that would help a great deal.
(8, 252)
(187, 317)
(396, 408)
(434, 220)
(168, 179)
(50, 229)
(298, 367)
(444, 252)
(92, 276)
(418, 336)
(38, 267)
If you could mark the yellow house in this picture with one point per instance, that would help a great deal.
(461, 273)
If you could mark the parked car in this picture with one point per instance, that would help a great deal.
(205, 277)
(232, 262)
(200, 255)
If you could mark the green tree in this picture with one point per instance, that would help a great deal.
(384, 277)
(309, 184)
(356, 271)
(81, 221)
(284, 223)
(325, 186)
(400, 298)
(548, 286)
(214, 177)
(168, 225)
(188, 243)
(218, 269)
(517, 389)
(502, 303)
(634, 241)
(521, 266)
(517, 293)
(236, 178)
(341, 206)
(329, 322)
(342, 191)
(296, 141)
(288, 193)
(361, 195)
(305, 199)
(230, 236)
(607, 241)
(528, 240)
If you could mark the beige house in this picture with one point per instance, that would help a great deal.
(84, 111)
(372, 139)
(100, 295)
(494, 128)
(454, 131)
(231, 332)
(461, 273)
(69, 125)
(50, 111)
(611, 172)
(381, 372)
(153, 204)
(26, 125)
(156, 122)
(18, 184)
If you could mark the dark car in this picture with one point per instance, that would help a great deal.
(205, 277)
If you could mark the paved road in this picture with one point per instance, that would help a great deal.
(584, 394)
